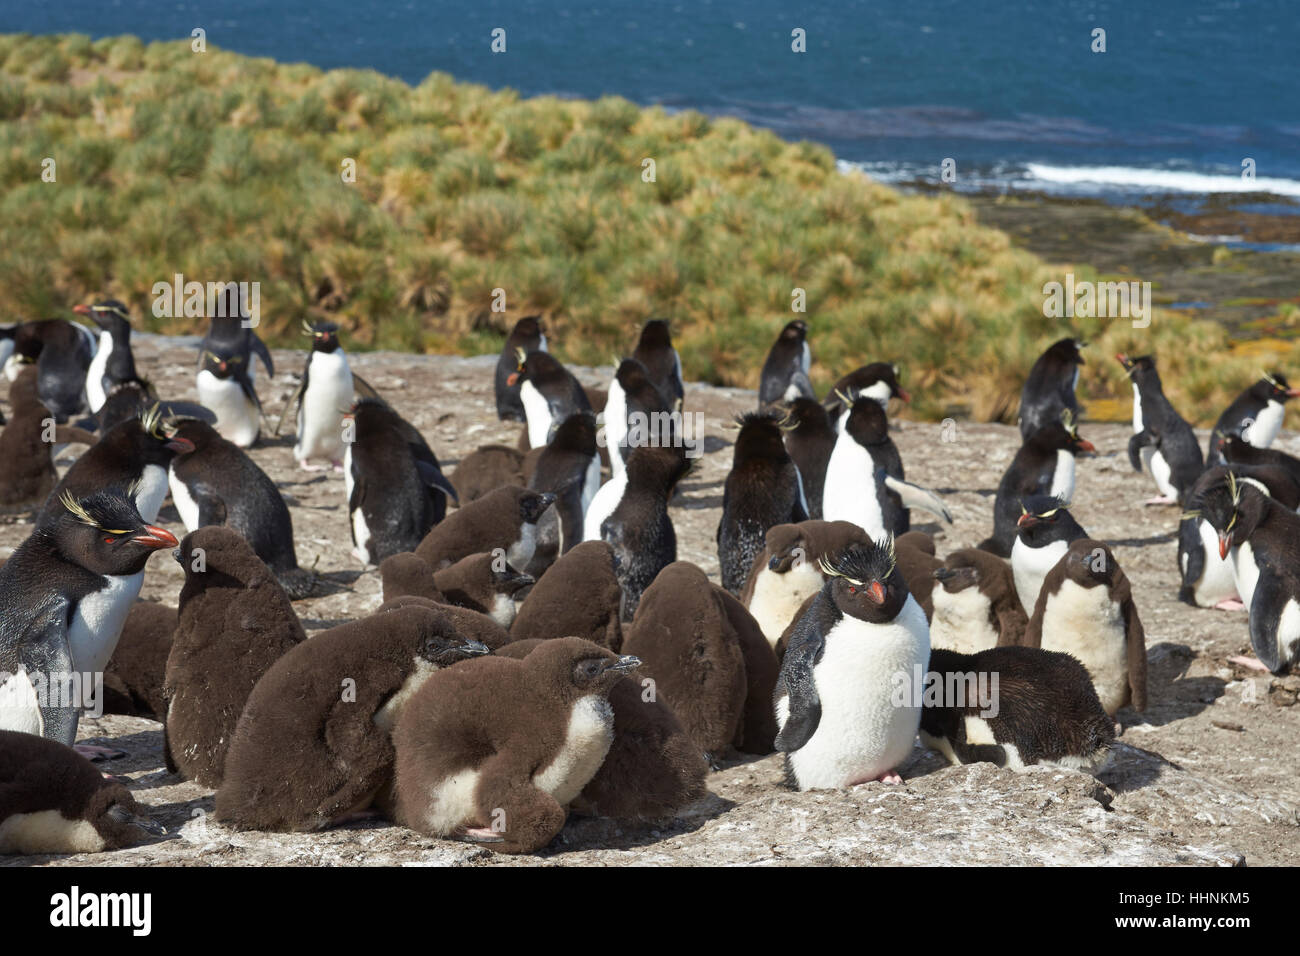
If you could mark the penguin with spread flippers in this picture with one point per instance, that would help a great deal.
(65, 594)
(527, 336)
(785, 371)
(1163, 443)
(1262, 539)
(761, 491)
(494, 750)
(1044, 465)
(841, 720)
(217, 483)
(1255, 416)
(313, 744)
(1049, 390)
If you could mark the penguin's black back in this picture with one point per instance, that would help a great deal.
(1049, 389)
(655, 351)
(810, 442)
(639, 530)
(398, 505)
(526, 335)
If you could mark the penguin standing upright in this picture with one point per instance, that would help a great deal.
(1046, 529)
(636, 413)
(113, 363)
(235, 621)
(864, 477)
(134, 456)
(226, 375)
(322, 399)
(1255, 415)
(395, 489)
(1044, 465)
(762, 490)
(1207, 579)
(494, 750)
(549, 394)
(526, 336)
(632, 516)
(53, 801)
(877, 381)
(217, 483)
(1049, 389)
(63, 352)
(809, 440)
(654, 350)
(27, 472)
(65, 594)
(836, 698)
(1162, 443)
(569, 468)
(1263, 540)
(785, 372)
(1085, 609)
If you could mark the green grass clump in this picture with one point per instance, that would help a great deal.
(228, 168)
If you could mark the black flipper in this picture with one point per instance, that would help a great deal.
(1135, 445)
(796, 682)
(434, 478)
(1266, 607)
(363, 388)
(49, 656)
(257, 347)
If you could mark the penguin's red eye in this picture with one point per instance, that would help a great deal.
(852, 589)
(110, 540)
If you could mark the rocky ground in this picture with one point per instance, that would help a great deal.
(1208, 775)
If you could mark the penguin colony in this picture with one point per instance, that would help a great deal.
(541, 650)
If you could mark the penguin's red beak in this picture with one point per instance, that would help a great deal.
(513, 379)
(156, 538)
(81, 309)
(182, 446)
(1027, 520)
(1086, 446)
(1293, 393)
(1225, 544)
(902, 393)
(876, 593)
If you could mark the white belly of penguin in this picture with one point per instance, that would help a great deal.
(1288, 631)
(1063, 477)
(1245, 571)
(97, 621)
(386, 716)
(591, 483)
(961, 621)
(1266, 425)
(862, 733)
(1137, 410)
(602, 506)
(538, 414)
(320, 418)
(1030, 565)
(778, 597)
(48, 831)
(1088, 625)
(237, 416)
(849, 493)
(1161, 472)
(186, 506)
(615, 426)
(522, 551)
(20, 708)
(586, 742)
(95, 396)
(1218, 582)
(151, 492)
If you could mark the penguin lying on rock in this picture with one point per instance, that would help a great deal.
(486, 469)
(579, 595)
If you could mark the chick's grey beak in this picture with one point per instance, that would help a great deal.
(625, 663)
(476, 648)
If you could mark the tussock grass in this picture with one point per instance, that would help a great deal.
(227, 168)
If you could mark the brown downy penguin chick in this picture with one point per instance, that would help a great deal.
(505, 518)
(915, 553)
(578, 595)
(653, 768)
(470, 625)
(682, 634)
(235, 621)
(975, 603)
(1015, 707)
(486, 469)
(408, 574)
(1086, 609)
(762, 491)
(313, 745)
(27, 472)
(485, 583)
(631, 514)
(809, 439)
(758, 730)
(786, 573)
(495, 750)
(137, 671)
(53, 800)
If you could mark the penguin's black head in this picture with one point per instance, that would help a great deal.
(655, 335)
(864, 581)
(576, 433)
(105, 534)
(153, 439)
(528, 330)
(1090, 563)
(324, 335)
(657, 469)
(1044, 519)
(877, 381)
(760, 437)
(509, 581)
(1066, 351)
(1233, 508)
(866, 422)
(189, 435)
(110, 315)
(536, 367)
(795, 332)
(223, 366)
(532, 504)
(1141, 369)
(1062, 436)
(1273, 386)
(116, 817)
(805, 414)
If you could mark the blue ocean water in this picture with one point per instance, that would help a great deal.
(1185, 91)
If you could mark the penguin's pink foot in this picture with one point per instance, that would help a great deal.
(1231, 604)
(889, 776)
(306, 466)
(1250, 663)
(1162, 500)
(338, 466)
(93, 753)
(481, 835)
